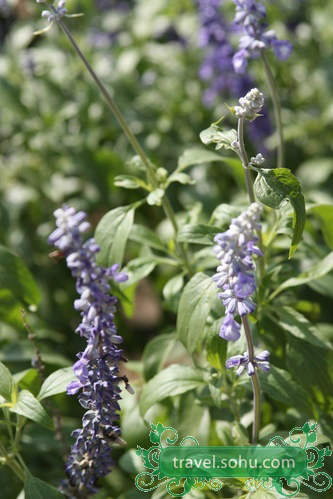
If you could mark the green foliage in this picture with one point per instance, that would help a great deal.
(215, 135)
(172, 381)
(7, 383)
(56, 383)
(324, 213)
(194, 307)
(15, 277)
(28, 406)
(34, 488)
(198, 234)
(273, 187)
(112, 233)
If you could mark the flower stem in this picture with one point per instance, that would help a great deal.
(276, 106)
(249, 188)
(131, 138)
(255, 382)
(12, 463)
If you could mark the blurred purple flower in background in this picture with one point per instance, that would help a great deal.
(218, 69)
(249, 15)
(97, 369)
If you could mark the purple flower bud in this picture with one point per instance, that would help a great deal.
(230, 329)
(241, 362)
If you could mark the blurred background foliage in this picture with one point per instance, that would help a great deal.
(59, 143)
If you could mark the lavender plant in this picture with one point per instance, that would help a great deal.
(97, 369)
(252, 324)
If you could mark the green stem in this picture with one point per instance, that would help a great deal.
(276, 106)
(249, 187)
(12, 463)
(255, 382)
(131, 138)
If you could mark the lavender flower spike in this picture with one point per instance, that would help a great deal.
(242, 362)
(235, 275)
(249, 14)
(97, 369)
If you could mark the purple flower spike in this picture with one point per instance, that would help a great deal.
(241, 362)
(97, 369)
(235, 275)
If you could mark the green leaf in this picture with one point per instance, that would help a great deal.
(34, 488)
(313, 369)
(182, 178)
(27, 405)
(137, 269)
(216, 347)
(15, 277)
(112, 233)
(173, 286)
(155, 197)
(194, 307)
(156, 352)
(129, 182)
(172, 381)
(198, 234)
(272, 187)
(324, 214)
(215, 135)
(7, 383)
(197, 155)
(315, 272)
(56, 383)
(296, 324)
(146, 237)
(279, 385)
(28, 380)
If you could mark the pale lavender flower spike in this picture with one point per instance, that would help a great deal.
(261, 361)
(235, 275)
(249, 14)
(97, 369)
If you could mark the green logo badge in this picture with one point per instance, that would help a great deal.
(276, 466)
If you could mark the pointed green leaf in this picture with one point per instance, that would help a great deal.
(215, 135)
(28, 406)
(129, 182)
(194, 307)
(146, 237)
(34, 488)
(315, 272)
(198, 234)
(296, 324)
(112, 233)
(56, 383)
(172, 381)
(155, 353)
(272, 187)
(7, 383)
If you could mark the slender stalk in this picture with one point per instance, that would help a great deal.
(12, 463)
(249, 188)
(131, 138)
(255, 382)
(245, 160)
(276, 106)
